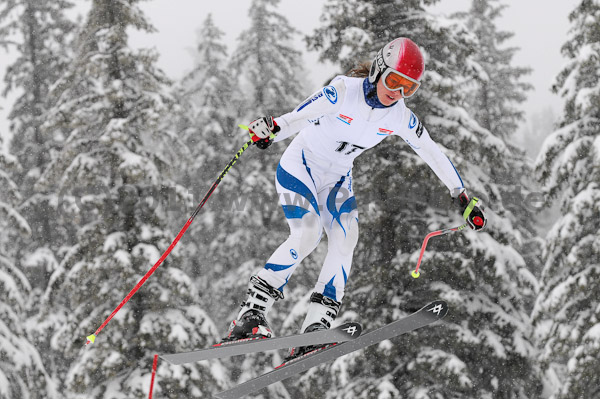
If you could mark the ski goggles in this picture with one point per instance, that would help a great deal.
(394, 81)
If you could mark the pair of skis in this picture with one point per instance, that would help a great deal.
(340, 341)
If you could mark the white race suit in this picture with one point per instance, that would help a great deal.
(314, 176)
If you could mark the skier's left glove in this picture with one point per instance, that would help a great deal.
(470, 210)
(263, 131)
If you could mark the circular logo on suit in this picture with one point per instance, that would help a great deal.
(294, 253)
(331, 94)
(413, 121)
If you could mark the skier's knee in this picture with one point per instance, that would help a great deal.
(344, 236)
(310, 233)
(351, 238)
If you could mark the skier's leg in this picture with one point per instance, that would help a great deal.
(267, 286)
(297, 194)
(340, 219)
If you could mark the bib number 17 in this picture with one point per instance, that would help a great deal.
(348, 148)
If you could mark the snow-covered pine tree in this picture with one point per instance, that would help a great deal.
(206, 92)
(567, 311)
(269, 65)
(484, 349)
(38, 32)
(207, 124)
(112, 169)
(499, 111)
(22, 372)
(499, 89)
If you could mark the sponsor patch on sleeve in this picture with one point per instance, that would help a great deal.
(414, 121)
(331, 94)
(420, 129)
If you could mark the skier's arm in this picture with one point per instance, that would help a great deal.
(415, 134)
(328, 100)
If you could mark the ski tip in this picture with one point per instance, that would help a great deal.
(438, 309)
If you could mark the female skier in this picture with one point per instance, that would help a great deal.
(314, 179)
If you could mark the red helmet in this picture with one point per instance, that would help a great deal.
(400, 63)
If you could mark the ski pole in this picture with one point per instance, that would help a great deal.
(154, 362)
(92, 338)
(416, 273)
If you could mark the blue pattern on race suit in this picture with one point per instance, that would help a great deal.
(292, 183)
(348, 206)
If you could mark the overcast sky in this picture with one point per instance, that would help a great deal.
(540, 30)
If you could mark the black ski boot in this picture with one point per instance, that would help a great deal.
(322, 311)
(251, 322)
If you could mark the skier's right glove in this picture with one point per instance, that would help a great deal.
(262, 131)
(470, 211)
